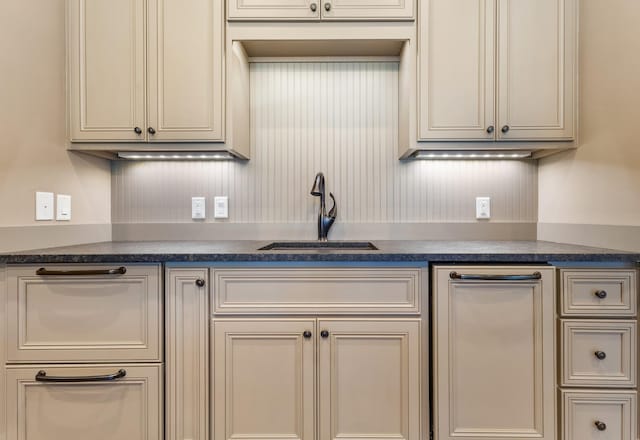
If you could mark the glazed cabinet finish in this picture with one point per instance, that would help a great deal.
(127, 408)
(145, 70)
(494, 355)
(487, 72)
(320, 9)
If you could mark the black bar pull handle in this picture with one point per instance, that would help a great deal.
(42, 377)
(486, 277)
(119, 271)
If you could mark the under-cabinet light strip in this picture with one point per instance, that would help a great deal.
(174, 156)
(478, 155)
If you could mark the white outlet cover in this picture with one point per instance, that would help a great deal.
(198, 208)
(63, 207)
(483, 207)
(221, 207)
(44, 206)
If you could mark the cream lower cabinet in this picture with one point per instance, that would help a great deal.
(494, 353)
(265, 374)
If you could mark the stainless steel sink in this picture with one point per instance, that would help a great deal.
(311, 245)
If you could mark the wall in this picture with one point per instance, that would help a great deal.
(592, 196)
(32, 123)
(339, 118)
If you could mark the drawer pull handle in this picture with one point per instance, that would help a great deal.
(46, 272)
(480, 277)
(601, 425)
(42, 377)
(600, 355)
(601, 294)
(307, 334)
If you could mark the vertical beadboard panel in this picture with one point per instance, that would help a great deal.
(339, 118)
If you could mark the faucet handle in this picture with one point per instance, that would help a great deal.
(333, 212)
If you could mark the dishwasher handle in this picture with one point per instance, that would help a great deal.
(42, 377)
(81, 272)
(485, 277)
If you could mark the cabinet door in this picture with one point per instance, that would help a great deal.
(367, 9)
(264, 379)
(457, 70)
(106, 70)
(369, 379)
(185, 91)
(273, 9)
(494, 355)
(128, 408)
(536, 69)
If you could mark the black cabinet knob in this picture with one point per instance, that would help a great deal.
(324, 333)
(200, 282)
(138, 130)
(151, 130)
(313, 7)
(327, 7)
(506, 128)
(306, 334)
(602, 294)
(490, 129)
(600, 355)
(600, 425)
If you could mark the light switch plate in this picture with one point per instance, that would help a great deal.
(221, 207)
(63, 207)
(483, 207)
(198, 208)
(44, 206)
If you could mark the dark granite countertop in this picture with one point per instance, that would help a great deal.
(389, 251)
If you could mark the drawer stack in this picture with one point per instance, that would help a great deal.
(84, 352)
(598, 371)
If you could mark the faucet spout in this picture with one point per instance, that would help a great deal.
(325, 221)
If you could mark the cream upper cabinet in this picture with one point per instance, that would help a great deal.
(493, 339)
(497, 70)
(146, 70)
(320, 9)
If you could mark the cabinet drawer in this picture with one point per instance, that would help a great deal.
(78, 317)
(129, 407)
(598, 415)
(599, 353)
(317, 290)
(599, 293)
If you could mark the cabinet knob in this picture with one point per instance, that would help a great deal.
(600, 425)
(200, 282)
(306, 334)
(505, 129)
(151, 130)
(490, 129)
(600, 355)
(138, 130)
(313, 7)
(601, 294)
(324, 333)
(327, 7)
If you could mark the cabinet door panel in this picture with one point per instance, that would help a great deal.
(457, 69)
(536, 69)
(264, 378)
(494, 350)
(368, 9)
(106, 70)
(582, 409)
(273, 9)
(125, 409)
(369, 379)
(185, 70)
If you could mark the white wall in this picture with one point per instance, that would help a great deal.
(33, 154)
(599, 184)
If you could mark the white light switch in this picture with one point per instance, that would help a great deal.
(483, 207)
(221, 207)
(63, 207)
(198, 208)
(44, 206)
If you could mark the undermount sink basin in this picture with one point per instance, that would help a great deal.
(311, 245)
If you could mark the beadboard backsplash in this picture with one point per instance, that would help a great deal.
(339, 118)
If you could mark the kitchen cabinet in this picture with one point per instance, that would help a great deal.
(320, 9)
(494, 352)
(497, 70)
(145, 70)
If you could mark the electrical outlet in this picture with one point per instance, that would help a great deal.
(198, 208)
(63, 207)
(483, 207)
(221, 207)
(44, 206)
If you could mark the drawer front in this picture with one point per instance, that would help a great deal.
(94, 318)
(599, 293)
(599, 353)
(317, 290)
(126, 408)
(593, 415)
